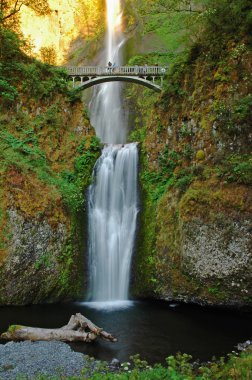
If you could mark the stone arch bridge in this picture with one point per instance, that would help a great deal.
(88, 76)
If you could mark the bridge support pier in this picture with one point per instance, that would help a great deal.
(73, 81)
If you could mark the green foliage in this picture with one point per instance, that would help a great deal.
(42, 80)
(8, 93)
(234, 118)
(138, 135)
(74, 96)
(27, 156)
(171, 21)
(85, 162)
(20, 153)
(173, 85)
(219, 13)
(44, 260)
(188, 152)
(236, 168)
(67, 260)
(179, 367)
(13, 328)
(157, 182)
(20, 75)
(242, 109)
(10, 8)
(10, 45)
(200, 155)
(185, 131)
(183, 182)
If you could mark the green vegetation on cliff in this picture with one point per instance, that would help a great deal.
(47, 153)
(196, 161)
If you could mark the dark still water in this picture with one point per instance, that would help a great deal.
(155, 330)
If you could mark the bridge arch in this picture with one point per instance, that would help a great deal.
(113, 78)
(92, 75)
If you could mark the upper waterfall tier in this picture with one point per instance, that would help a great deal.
(108, 115)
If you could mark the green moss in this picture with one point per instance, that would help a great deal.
(47, 154)
(45, 260)
(13, 328)
(144, 263)
(200, 155)
(236, 168)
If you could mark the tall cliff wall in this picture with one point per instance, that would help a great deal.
(47, 153)
(195, 241)
(69, 27)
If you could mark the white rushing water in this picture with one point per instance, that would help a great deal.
(112, 221)
(113, 196)
(108, 115)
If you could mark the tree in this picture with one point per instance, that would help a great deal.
(166, 6)
(48, 55)
(10, 8)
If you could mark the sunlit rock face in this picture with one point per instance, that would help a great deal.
(52, 35)
(54, 31)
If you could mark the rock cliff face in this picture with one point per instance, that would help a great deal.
(33, 266)
(196, 238)
(69, 27)
(203, 250)
(47, 153)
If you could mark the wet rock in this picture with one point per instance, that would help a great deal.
(114, 364)
(32, 269)
(244, 346)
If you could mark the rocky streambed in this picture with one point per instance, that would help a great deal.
(36, 360)
(29, 360)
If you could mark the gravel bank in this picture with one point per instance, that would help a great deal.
(27, 360)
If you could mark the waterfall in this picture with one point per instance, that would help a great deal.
(112, 221)
(106, 108)
(112, 204)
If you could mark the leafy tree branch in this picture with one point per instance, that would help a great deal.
(9, 8)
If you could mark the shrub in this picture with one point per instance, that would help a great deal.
(8, 93)
(200, 155)
(236, 168)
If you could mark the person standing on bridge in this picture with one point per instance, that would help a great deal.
(109, 67)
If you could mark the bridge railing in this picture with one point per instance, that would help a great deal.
(116, 70)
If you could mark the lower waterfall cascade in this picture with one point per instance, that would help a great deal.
(112, 221)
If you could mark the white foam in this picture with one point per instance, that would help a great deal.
(109, 305)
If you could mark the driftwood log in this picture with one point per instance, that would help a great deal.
(79, 328)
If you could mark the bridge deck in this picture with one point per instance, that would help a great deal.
(94, 71)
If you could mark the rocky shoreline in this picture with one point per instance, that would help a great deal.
(30, 360)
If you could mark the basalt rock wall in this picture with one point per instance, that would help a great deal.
(195, 239)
